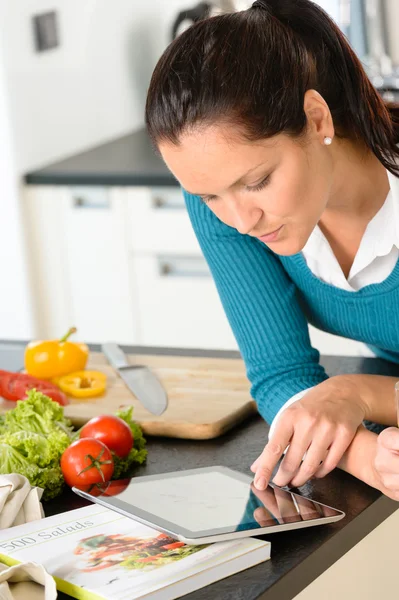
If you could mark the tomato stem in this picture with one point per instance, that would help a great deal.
(95, 463)
(68, 334)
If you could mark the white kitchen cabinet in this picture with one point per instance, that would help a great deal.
(178, 303)
(80, 263)
(159, 222)
(123, 264)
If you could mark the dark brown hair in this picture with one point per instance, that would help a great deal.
(252, 68)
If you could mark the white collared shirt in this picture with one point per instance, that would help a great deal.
(375, 259)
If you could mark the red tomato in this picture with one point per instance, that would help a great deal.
(111, 431)
(116, 487)
(87, 461)
(109, 488)
(14, 386)
(7, 388)
(173, 546)
(56, 395)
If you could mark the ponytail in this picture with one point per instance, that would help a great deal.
(254, 67)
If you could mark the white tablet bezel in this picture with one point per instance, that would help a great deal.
(186, 535)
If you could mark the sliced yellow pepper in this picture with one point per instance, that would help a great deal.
(83, 384)
(54, 358)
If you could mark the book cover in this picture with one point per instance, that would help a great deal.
(97, 554)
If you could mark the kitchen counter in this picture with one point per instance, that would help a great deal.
(299, 557)
(128, 160)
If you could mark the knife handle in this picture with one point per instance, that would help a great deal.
(115, 355)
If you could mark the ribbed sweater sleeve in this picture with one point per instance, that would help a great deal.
(260, 302)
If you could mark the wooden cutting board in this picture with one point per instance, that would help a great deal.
(207, 396)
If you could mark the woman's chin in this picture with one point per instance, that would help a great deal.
(286, 247)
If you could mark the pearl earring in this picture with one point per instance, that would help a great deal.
(327, 141)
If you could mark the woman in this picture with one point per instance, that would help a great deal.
(288, 159)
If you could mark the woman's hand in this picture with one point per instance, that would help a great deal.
(321, 425)
(386, 462)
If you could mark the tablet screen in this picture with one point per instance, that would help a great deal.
(211, 501)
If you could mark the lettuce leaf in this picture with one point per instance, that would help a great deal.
(48, 478)
(45, 451)
(33, 436)
(137, 454)
(38, 413)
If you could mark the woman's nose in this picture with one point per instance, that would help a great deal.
(245, 219)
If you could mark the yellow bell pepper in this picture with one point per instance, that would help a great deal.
(54, 358)
(83, 384)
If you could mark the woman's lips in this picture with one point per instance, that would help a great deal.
(272, 236)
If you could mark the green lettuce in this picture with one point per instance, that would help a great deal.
(38, 413)
(36, 447)
(33, 437)
(50, 479)
(137, 454)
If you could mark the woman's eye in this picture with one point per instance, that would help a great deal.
(254, 188)
(260, 185)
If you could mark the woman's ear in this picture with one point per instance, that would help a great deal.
(318, 115)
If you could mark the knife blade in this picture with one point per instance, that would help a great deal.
(139, 379)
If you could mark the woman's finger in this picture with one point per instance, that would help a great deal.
(338, 448)
(389, 438)
(273, 452)
(268, 499)
(254, 465)
(317, 452)
(391, 483)
(263, 517)
(387, 461)
(286, 506)
(293, 458)
(308, 509)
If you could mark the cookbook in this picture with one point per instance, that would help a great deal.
(94, 553)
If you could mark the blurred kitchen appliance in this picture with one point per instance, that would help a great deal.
(202, 10)
(372, 27)
(381, 32)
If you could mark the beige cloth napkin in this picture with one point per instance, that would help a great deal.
(26, 581)
(20, 503)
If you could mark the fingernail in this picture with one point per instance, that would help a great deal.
(279, 482)
(260, 483)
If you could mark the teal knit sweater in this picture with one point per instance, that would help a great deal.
(269, 301)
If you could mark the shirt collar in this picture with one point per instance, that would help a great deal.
(381, 233)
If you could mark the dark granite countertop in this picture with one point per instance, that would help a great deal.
(298, 557)
(128, 160)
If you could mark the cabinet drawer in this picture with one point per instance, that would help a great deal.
(179, 304)
(158, 221)
(97, 266)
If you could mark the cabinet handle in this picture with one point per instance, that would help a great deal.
(183, 266)
(160, 203)
(95, 197)
(80, 202)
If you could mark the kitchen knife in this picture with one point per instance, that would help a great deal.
(139, 379)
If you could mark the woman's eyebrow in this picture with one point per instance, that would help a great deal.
(233, 184)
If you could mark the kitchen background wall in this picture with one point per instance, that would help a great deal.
(89, 90)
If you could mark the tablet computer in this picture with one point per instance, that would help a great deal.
(206, 505)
